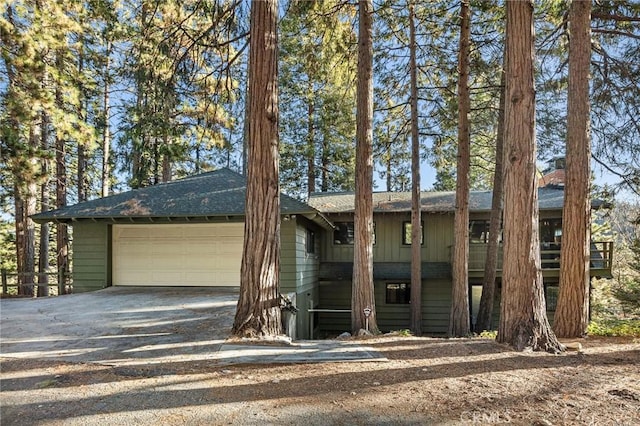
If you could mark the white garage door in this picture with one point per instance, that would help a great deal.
(177, 255)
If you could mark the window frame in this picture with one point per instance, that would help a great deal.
(350, 224)
(404, 298)
(404, 233)
(551, 292)
(310, 241)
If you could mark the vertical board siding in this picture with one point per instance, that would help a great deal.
(436, 302)
(90, 256)
(438, 239)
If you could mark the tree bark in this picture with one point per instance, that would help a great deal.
(572, 312)
(388, 168)
(523, 319)
(311, 147)
(485, 311)
(106, 132)
(83, 184)
(27, 200)
(258, 311)
(324, 185)
(459, 319)
(416, 206)
(62, 239)
(25, 237)
(362, 290)
(43, 251)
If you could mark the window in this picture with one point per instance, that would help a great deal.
(406, 233)
(479, 232)
(310, 242)
(344, 233)
(550, 231)
(551, 295)
(398, 293)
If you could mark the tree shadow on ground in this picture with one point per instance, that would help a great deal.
(205, 387)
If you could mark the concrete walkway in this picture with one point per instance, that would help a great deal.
(141, 326)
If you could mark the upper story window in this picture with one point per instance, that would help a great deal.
(479, 231)
(406, 233)
(550, 231)
(344, 233)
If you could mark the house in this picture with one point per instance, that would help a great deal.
(189, 232)
(554, 173)
(392, 255)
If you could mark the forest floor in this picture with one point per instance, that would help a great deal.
(424, 381)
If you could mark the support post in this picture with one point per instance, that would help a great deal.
(61, 282)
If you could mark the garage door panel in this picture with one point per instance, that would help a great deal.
(174, 255)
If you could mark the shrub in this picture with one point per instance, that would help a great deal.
(488, 334)
(613, 327)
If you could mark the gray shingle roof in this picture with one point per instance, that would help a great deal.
(549, 198)
(217, 193)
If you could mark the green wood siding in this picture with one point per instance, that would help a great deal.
(438, 239)
(91, 254)
(389, 250)
(299, 269)
(288, 257)
(436, 302)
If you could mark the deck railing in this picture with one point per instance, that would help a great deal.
(601, 255)
(61, 283)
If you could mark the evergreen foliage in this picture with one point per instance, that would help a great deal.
(317, 89)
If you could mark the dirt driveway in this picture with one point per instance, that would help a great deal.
(119, 324)
(154, 367)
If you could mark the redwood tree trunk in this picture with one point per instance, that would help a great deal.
(416, 220)
(459, 319)
(523, 319)
(485, 311)
(362, 290)
(258, 310)
(572, 313)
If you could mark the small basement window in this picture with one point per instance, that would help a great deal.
(398, 293)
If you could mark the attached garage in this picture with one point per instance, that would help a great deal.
(177, 255)
(189, 233)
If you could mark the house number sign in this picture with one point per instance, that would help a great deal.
(367, 312)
